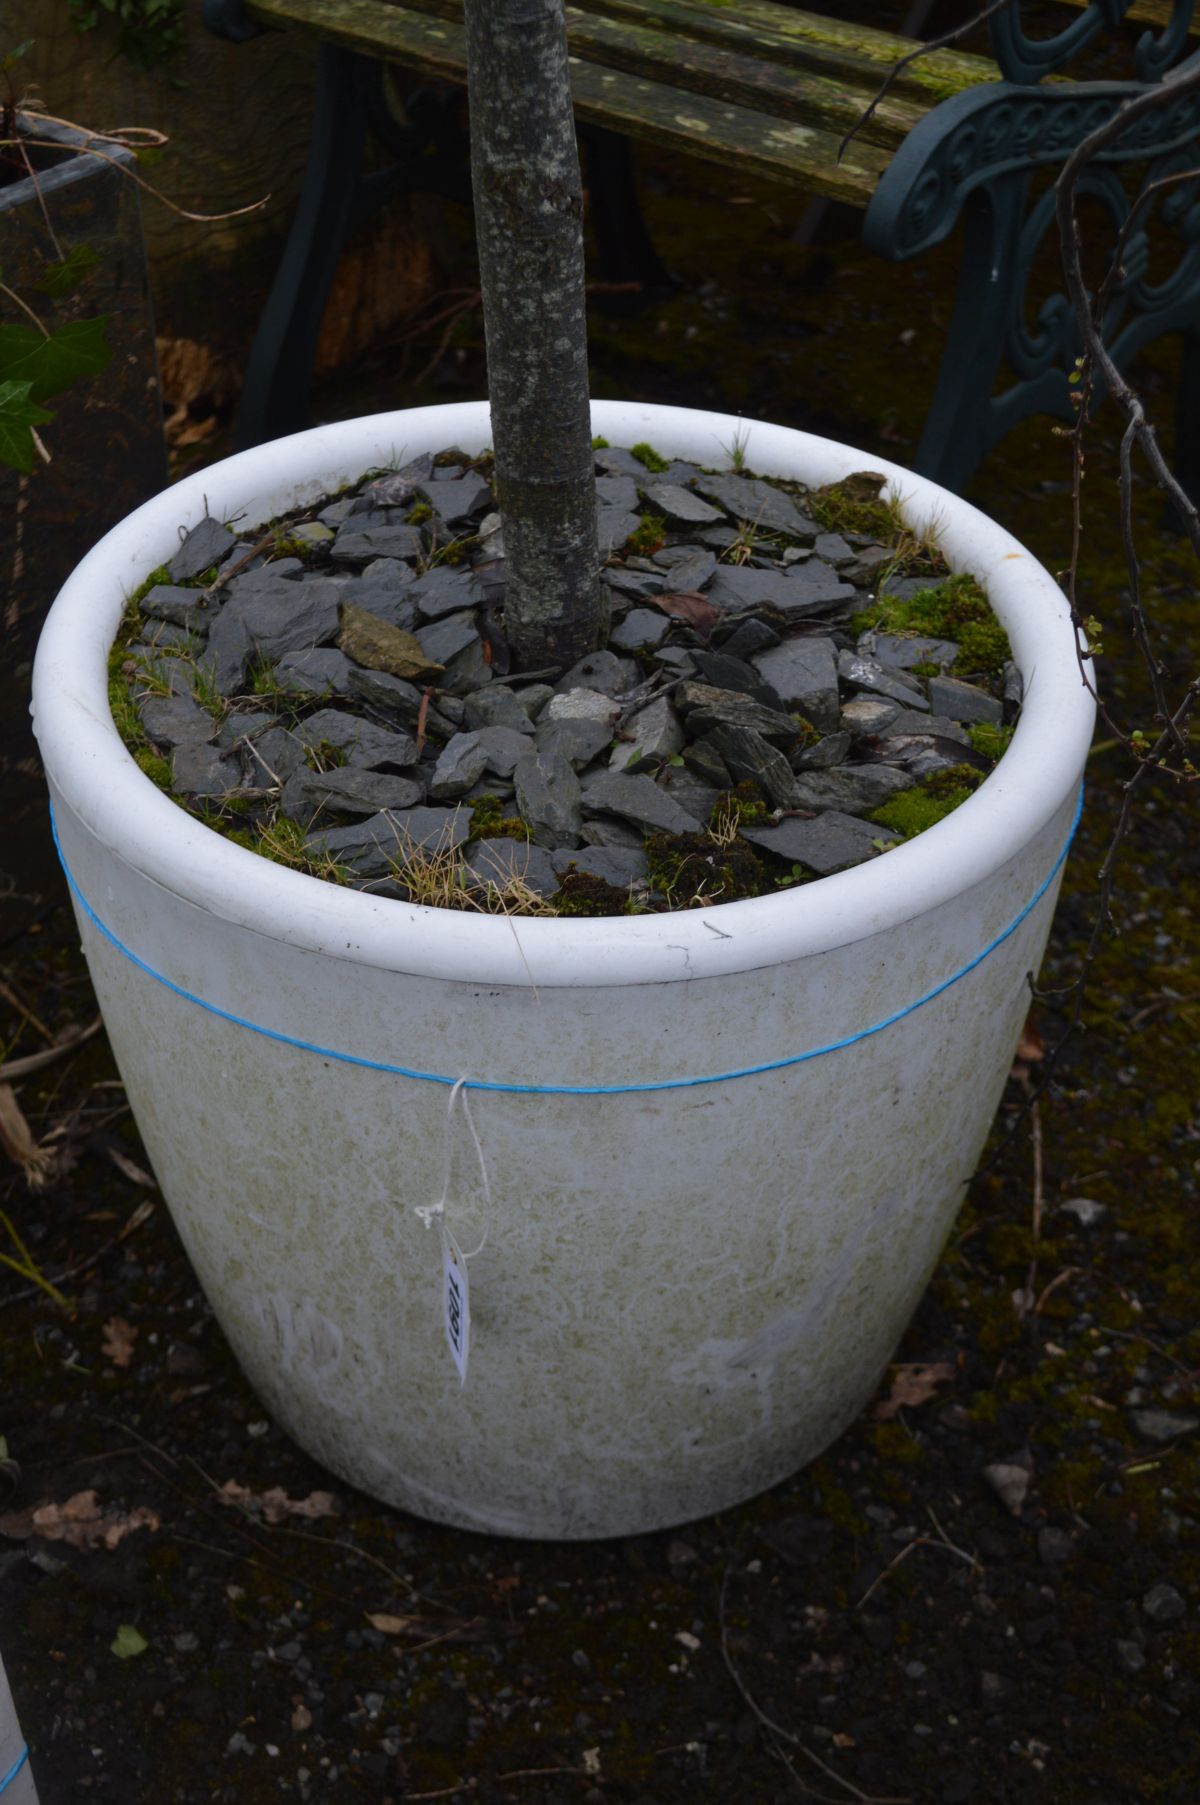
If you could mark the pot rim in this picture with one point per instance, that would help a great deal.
(93, 775)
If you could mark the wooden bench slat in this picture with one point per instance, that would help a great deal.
(780, 149)
(781, 90)
(834, 47)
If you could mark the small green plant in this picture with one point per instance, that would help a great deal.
(149, 32)
(695, 871)
(735, 451)
(651, 459)
(599, 443)
(649, 537)
(992, 741)
(204, 688)
(489, 822)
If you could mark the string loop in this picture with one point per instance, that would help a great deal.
(570, 1090)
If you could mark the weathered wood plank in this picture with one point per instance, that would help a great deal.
(835, 47)
(762, 84)
(804, 157)
(781, 149)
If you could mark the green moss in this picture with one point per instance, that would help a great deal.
(914, 810)
(489, 822)
(324, 756)
(653, 460)
(123, 709)
(599, 443)
(581, 893)
(992, 741)
(419, 512)
(855, 505)
(894, 1444)
(649, 537)
(739, 807)
(154, 766)
(693, 871)
(957, 609)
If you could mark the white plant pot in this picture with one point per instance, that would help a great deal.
(686, 1290)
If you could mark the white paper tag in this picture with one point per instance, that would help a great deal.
(456, 1302)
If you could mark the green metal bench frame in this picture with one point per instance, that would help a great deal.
(756, 86)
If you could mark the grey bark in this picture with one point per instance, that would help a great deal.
(529, 225)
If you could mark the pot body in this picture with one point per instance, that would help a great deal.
(681, 1291)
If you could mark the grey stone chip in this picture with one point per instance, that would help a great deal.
(206, 544)
(832, 842)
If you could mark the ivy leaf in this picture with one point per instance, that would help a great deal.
(64, 278)
(18, 415)
(51, 364)
(128, 1641)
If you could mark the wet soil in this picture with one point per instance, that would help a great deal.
(880, 1626)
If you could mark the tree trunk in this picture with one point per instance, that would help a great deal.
(529, 225)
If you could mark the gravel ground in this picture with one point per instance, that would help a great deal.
(987, 1590)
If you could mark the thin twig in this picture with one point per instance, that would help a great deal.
(950, 37)
(776, 1729)
(36, 1062)
(23, 1009)
(1039, 1202)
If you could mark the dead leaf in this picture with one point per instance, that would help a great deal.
(913, 1384)
(690, 606)
(80, 1522)
(388, 1625)
(118, 1340)
(274, 1505)
(1031, 1050)
(131, 1170)
(422, 720)
(36, 1161)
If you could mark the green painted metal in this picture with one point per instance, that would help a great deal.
(973, 158)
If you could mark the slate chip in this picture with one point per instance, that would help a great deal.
(176, 720)
(639, 800)
(198, 769)
(457, 501)
(363, 742)
(803, 672)
(446, 589)
(502, 861)
(548, 797)
(356, 544)
(755, 503)
(319, 673)
(830, 842)
(190, 609)
(811, 588)
(206, 545)
(682, 507)
(372, 847)
(868, 674)
(348, 790)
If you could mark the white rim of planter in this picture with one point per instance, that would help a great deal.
(99, 781)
